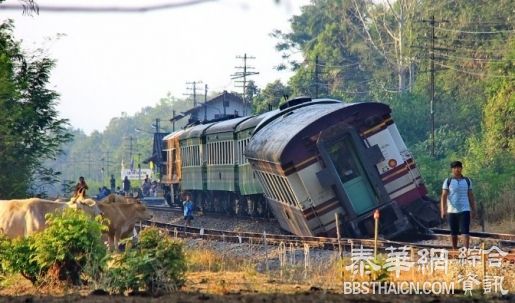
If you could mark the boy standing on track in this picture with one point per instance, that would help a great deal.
(188, 209)
(457, 202)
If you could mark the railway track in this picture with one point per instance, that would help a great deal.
(344, 244)
(177, 209)
(504, 240)
(499, 236)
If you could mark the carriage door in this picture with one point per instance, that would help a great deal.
(351, 173)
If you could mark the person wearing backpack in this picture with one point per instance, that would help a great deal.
(458, 202)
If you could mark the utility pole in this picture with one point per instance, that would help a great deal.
(193, 94)
(89, 164)
(131, 139)
(205, 102)
(432, 22)
(244, 74)
(173, 120)
(156, 125)
(107, 162)
(316, 77)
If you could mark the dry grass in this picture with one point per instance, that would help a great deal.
(214, 273)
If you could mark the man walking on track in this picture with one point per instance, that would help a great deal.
(457, 202)
(188, 209)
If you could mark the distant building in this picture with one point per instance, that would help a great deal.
(225, 104)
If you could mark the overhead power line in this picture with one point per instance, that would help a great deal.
(475, 32)
(338, 66)
(245, 72)
(473, 59)
(102, 9)
(473, 73)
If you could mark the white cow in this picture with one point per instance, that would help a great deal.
(19, 218)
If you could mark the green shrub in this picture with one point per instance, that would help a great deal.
(16, 256)
(70, 242)
(157, 265)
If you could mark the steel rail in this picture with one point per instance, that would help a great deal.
(499, 236)
(177, 209)
(315, 242)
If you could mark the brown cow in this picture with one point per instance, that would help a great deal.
(19, 218)
(114, 198)
(122, 219)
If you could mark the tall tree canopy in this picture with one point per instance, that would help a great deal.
(366, 50)
(30, 130)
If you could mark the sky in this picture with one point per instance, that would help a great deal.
(109, 63)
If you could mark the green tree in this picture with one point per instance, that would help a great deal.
(271, 96)
(30, 131)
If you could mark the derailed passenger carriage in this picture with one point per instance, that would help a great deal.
(304, 163)
(318, 158)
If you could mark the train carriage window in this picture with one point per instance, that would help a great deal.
(266, 185)
(280, 182)
(212, 147)
(231, 152)
(199, 156)
(275, 188)
(213, 153)
(208, 150)
(217, 153)
(236, 152)
(227, 152)
(282, 193)
(286, 192)
(290, 193)
(242, 148)
(224, 152)
(186, 155)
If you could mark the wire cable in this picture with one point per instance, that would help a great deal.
(105, 9)
(475, 32)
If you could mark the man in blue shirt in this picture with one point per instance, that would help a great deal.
(188, 209)
(457, 202)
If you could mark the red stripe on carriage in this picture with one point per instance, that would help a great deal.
(311, 212)
(408, 197)
(403, 166)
